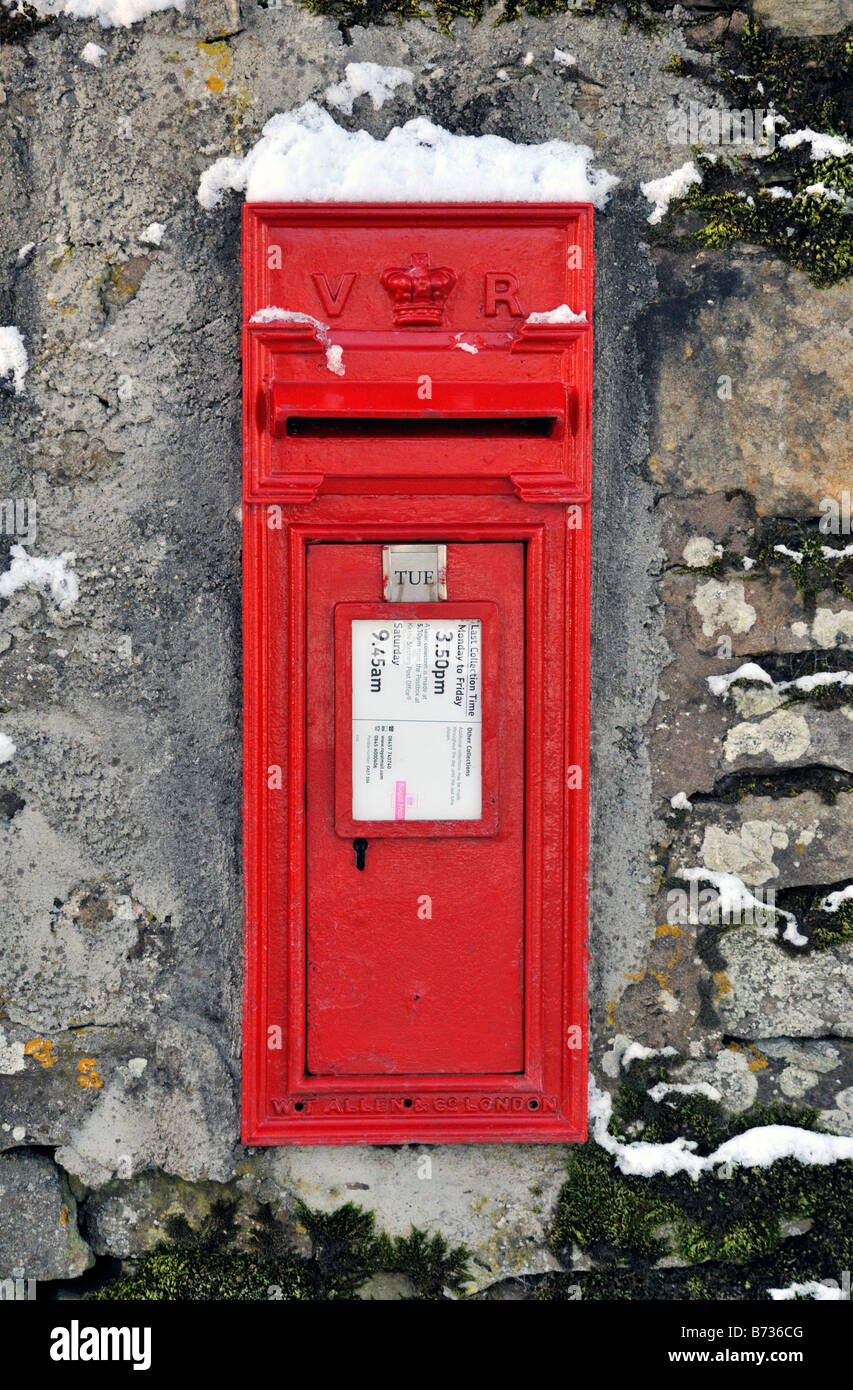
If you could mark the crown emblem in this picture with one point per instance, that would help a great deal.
(418, 293)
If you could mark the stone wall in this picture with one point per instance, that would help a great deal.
(721, 424)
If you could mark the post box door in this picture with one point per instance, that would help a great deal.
(415, 961)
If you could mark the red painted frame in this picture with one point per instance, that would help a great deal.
(488, 822)
(546, 508)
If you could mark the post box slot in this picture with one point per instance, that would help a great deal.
(422, 427)
(345, 410)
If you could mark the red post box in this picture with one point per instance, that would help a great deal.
(416, 561)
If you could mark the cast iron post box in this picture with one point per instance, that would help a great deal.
(416, 559)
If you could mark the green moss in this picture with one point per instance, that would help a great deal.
(198, 1277)
(798, 76)
(827, 782)
(675, 64)
(787, 667)
(813, 233)
(365, 12)
(428, 1261)
(346, 1250)
(16, 26)
(737, 1243)
(823, 697)
(694, 1117)
(731, 1226)
(645, 14)
(833, 929)
(809, 82)
(714, 568)
(815, 572)
(824, 929)
(604, 1213)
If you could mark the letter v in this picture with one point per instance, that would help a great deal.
(333, 300)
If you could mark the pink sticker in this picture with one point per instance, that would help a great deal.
(399, 801)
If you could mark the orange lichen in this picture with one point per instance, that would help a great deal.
(723, 984)
(41, 1049)
(88, 1077)
(757, 1062)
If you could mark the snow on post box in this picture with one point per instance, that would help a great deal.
(417, 398)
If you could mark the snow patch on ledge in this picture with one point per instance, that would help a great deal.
(638, 1052)
(153, 234)
(662, 191)
(334, 353)
(829, 552)
(833, 901)
(750, 671)
(367, 79)
(755, 1148)
(698, 1088)
(48, 574)
(812, 1289)
(110, 14)
(823, 146)
(736, 902)
(7, 749)
(562, 314)
(305, 156)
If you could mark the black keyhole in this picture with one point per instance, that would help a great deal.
(360, 847)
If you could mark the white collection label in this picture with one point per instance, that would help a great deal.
(416, 719)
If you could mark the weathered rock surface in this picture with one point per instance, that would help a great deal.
(771, 992)
(804, 17)
(121, 827)
(498, 1201)
(779, 842)
(38, 1233)
(740, 322)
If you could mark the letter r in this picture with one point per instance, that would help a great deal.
(501, 288)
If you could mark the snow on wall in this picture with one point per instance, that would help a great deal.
(110, 14)
(304, 155)
(367, 79)
(662, 191)
(47, 574)
(13, 357)
(755, 1148)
